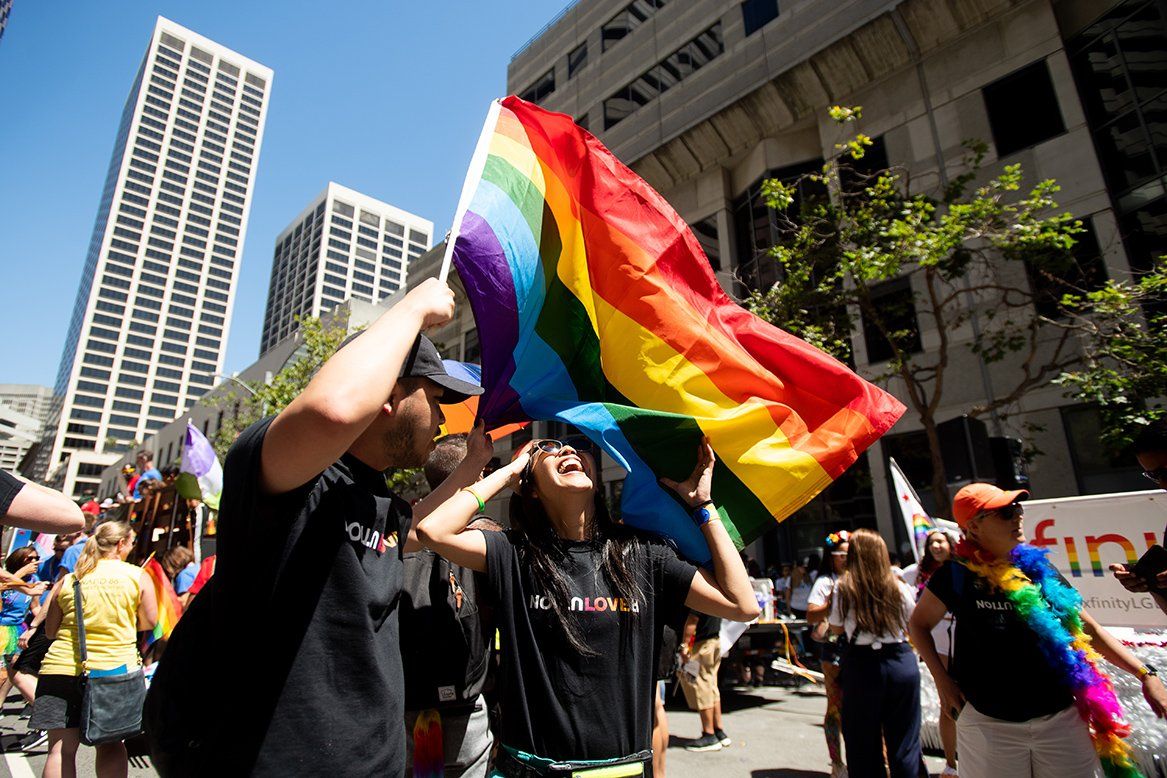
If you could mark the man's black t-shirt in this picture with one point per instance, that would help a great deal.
(997, 662)
(10, 486)
(708, 627)
(556, 703)
(447, 633)
(310, 583)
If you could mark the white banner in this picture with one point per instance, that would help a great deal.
(1085, 535)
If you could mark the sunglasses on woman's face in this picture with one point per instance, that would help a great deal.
(577, 443)
(574, 442)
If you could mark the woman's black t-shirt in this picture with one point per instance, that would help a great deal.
(997, 662)
(560, 705)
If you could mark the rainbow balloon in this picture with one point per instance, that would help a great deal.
(597, 307)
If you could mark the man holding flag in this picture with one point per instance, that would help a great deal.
(310, 548)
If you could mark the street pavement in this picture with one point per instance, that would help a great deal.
(777, 733)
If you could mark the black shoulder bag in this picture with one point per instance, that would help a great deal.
(111, 705)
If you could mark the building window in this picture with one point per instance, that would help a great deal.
(541, 88)
(471, 348)
(756, 14)
(630, 17)
(757, 227)
(706, 233)
(897, 306)
(1080, 268)
(1096, 469)
(1120, 66)
(577, 59)
(672, 69)
(1023, 109)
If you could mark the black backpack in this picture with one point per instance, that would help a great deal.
(445, 635)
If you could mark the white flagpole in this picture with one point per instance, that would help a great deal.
(473, 174)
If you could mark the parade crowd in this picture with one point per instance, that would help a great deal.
(345, 631)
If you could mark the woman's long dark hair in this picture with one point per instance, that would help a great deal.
(544, 553)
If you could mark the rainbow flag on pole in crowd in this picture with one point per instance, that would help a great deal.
(169, 606)
(597, 307)
(916, 519)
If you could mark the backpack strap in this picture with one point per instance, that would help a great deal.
(79, 610)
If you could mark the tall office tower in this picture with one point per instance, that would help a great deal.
(5, 10)
(151, 318)
(345, 244)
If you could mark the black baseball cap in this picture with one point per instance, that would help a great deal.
(424, 361)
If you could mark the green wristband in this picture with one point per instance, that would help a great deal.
(474, 494)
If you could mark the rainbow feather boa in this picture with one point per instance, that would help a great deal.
(1053, 611)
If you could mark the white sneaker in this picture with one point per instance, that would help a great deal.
(949, 772)
(838, 771)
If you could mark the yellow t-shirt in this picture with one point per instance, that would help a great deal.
(110, 593)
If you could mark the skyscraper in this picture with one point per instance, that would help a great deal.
(152, 312)
(345, 244)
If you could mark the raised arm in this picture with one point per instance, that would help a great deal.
(349, 391)
(479, 450)
(443, 529)
(726, 592)
(42, 510)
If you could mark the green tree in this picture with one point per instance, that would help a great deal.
(248, 402)
(973, 252)
(1124, 369)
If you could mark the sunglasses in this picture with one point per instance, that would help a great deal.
(1008, 513)
(577, 443)
(1157, 475)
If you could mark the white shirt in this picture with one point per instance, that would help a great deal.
(863, 638)
(820, 593)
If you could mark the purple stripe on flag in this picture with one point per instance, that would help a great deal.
(197, 454)
(482, 266)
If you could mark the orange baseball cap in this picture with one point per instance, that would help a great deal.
(977, 498)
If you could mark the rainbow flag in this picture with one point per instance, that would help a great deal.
(169, 606)
(596, 307)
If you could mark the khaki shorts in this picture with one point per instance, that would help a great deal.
(701, 692)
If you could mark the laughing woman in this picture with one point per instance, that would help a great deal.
(580, 601)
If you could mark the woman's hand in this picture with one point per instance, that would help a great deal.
(27, 570)
(515, 469)
(1155, 694)
(696, 489)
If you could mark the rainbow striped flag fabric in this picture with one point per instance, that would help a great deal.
(597, 307)
(169, 606)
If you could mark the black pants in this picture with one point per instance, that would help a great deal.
(881, 702)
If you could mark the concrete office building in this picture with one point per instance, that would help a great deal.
(30, 399)
(343, 245)
(706, 99)
(23, 410)
(18, 433)
(152, 314)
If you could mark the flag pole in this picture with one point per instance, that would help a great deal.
(473, 174)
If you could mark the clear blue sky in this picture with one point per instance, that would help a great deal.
(384, 96)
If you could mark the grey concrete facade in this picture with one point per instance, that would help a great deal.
(920, 69)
